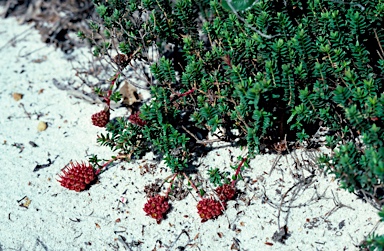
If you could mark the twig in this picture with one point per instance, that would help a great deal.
(40, 166)
(203, 142)
(275, 164)
(178, 237)
(284, 146)
(298, 186)
(25, 111)
(12, 40)
(122, 240)
(338, 205)
(91, 98)
(381, 48)
(31, 52)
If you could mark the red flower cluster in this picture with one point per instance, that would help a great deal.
(156, 207)
(101, 118)
(225, 192)
(77, 176)
(209, 209)
(135, 119)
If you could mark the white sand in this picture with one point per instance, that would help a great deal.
(59, 219)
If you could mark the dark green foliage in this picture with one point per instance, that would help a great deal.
(217, 178)
(276, 70)
(374, 242)
(124, 137)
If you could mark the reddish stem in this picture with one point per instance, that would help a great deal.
(109, 93)
(238, 171)
(170, 185)
(98, 171)
(186, 93)
(179, 95)
(193, 185)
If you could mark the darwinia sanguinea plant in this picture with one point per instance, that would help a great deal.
(80, 176)
(233, 94)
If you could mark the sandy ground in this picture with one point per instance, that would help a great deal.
(36, 213)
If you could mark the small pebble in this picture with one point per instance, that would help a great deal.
(41, 126)
(17, 96)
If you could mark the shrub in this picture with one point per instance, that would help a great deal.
(254, 73)
(275, 70)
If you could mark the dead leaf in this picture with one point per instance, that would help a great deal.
(26, 202)
(129, 94)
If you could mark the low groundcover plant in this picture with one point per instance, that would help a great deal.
(257, 74)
